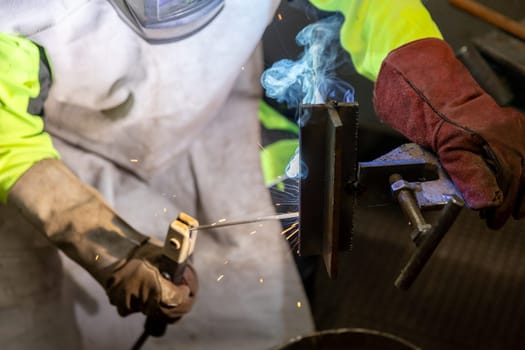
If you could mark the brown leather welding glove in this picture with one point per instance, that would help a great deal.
(425, 93)
(75, 218)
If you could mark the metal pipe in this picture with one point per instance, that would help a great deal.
(491, 16)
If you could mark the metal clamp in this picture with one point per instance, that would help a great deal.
(417, 183)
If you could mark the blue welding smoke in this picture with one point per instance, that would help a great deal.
(312, 78)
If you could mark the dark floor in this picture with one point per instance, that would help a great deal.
(471, 295)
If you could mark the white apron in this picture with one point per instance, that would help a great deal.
(157, 129)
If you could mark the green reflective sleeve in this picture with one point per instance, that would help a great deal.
(22, 138)
(273, 120)
(276, 156)
(373, 28)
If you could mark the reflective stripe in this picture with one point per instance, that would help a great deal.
(373, 28)
(36, 105)
(22, 138)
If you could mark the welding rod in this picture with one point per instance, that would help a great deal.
(491, 16)
(292, 215)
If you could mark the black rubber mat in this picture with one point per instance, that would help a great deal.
(471, 294)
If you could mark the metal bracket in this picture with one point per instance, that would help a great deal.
(328, 144)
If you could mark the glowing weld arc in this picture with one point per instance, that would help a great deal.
(292, 215)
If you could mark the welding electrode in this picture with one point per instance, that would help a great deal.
(284, 216)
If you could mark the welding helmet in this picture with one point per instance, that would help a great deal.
(160, 21)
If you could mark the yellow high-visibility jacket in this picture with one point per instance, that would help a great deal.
(373, 28)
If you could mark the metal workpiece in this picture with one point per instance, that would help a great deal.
(328, 146)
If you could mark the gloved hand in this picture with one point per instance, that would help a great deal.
(78, 221)
(138, 286)
(425, 93)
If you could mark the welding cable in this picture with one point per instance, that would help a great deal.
(140, 341)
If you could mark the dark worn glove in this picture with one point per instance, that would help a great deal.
(138, 286)
(75, 218)
(425, 93)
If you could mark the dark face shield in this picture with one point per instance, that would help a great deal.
(160, 21)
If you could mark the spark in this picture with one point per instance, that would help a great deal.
(287, 196)
(220, 278)
(292, 234)
(289, 228)
(222, 220)
(291, 203)
(293, 241)
(299, 304)
(280, 16)
(97, 257)
(242, 67)
(261, 280)
(134, 160)
(252, 233)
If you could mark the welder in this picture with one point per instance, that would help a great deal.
(117, 115)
